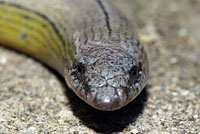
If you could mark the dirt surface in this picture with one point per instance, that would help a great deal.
(35, 99)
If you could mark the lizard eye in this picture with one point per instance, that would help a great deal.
(80, 68)
(134, 72)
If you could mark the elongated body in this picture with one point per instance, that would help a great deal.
(89, 42)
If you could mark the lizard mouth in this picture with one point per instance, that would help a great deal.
(109, 98)
(106, 98)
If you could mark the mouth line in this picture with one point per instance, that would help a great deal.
(121, 98)
(107, 85)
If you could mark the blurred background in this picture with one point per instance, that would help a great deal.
(35, 99)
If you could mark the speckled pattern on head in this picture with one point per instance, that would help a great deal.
(109, 75)
(89, 42)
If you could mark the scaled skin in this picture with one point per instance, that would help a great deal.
(108, 77)
(89, 42)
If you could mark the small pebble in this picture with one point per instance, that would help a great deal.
(3, 60)
(134, 131)
(174, 60)
(30, 130)
(148, 39)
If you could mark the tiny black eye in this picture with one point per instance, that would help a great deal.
(80, 68)
(134, 72)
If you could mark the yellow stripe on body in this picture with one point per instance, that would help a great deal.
(32, 33)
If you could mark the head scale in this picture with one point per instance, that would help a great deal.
(107, 77)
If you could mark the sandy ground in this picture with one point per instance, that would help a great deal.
(35, 99)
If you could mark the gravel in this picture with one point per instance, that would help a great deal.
(35, 99)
